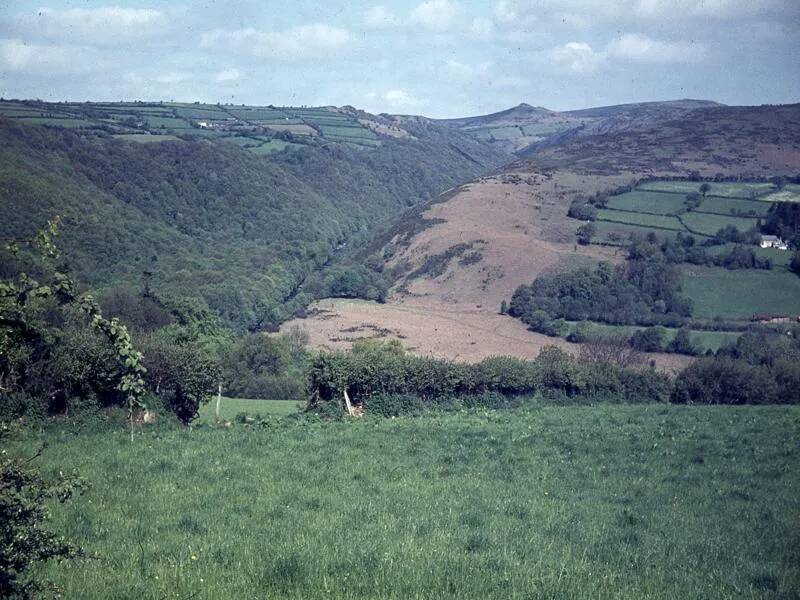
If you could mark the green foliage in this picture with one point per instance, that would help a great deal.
(643, 292)
(24, 538)
(650, 339)
(585, 233)
(794, 265)
(261, 366)
(183, 374)
(383, 377)
(34, 361)
(757, 369)
(190, 211)
(783, 220)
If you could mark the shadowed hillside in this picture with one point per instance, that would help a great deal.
(212, 219)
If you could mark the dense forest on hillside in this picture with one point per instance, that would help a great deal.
(208, 219)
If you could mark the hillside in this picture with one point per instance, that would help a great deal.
(524, 129)
(212, 219)
(457, 258)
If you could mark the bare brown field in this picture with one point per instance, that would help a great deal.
(514, 223)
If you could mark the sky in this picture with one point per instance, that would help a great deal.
(440, 58)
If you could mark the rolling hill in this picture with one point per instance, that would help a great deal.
(524, 128)
(239, 229)
(458, 257)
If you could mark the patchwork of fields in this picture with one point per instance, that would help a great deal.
(660, 206)
(648, 501)
(163, 121)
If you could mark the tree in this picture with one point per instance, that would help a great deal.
(794, 264)
(24, 541)
(585, 233)
(21, 320)
(705, 187)
(648, 340)
(183, 375)
(682, 343)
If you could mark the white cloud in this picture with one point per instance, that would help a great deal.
(380, 17)
(228, 76)
(298, 42)
(459, 70)
(578, 57)
(173, 78)
(401, 99)
(96, 26)
(482, 26)
(635, 47)
(17, 56)
(715, 9)
(525, 14)
(435, 14)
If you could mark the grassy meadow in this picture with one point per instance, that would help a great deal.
(648, 501)
(738, 294)
(658, 206)
(230, 407)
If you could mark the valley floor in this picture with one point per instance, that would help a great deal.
(604, 501)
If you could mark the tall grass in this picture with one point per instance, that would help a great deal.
(549, 502)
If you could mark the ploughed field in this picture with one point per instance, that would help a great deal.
(549, 501)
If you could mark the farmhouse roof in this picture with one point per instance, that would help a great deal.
(770, 238)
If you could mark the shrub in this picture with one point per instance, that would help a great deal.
(724, 381)
(393, 405)
(648, 340)
(24, 541)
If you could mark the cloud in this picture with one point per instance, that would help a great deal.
(459, 70)
(482, 26)
(435, 14)
(173, 78)
(298, 42)
(17, 56)
(380, 17)
(228, 76)
(96, 26)
(635, 47)
(578, 57)
(401, 99)
(526, 14)
(715, 9)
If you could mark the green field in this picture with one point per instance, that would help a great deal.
(648, 202)
(174, 117)
(651, 501)
(726, 189)
(790, 193)
(145, 139)
(716, 291)
(641, 219)
(705, 340)
(230, 407)
(724, 206)
(709, 224)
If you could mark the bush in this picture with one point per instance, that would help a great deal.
(24, 539)
(724, 381)
(393, 405)
(648, 340)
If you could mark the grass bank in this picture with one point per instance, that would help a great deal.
(651, 501)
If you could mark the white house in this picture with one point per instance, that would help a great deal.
(773, 241)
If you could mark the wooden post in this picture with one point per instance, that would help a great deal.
(348, 404)
(219, 401)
